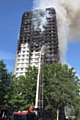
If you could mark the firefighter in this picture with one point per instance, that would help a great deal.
(31, 109)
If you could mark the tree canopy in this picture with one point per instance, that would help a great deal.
(61, 87)
(23, 90)
(5, 78)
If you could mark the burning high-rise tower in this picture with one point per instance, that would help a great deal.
(33, 35)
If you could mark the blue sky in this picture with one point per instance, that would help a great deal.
(10, 19)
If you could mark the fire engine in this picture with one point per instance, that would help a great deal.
(25, 115)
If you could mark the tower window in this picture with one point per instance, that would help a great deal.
(21, 68)
(23, 51)
(23, 55)
(18, 55)
(17, 68)
(18, 59)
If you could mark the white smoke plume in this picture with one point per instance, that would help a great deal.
(68, 20)
(39, 19)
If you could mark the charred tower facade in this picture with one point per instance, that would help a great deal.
(33, 35)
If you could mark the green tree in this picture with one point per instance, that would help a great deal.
(23, 90)
(5, 78)
(61, 87)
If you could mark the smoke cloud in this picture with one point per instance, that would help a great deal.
(68, 20)
(39, 19)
